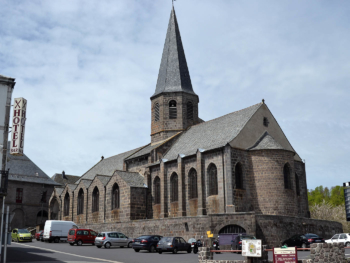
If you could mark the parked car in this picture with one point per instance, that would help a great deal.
(173, 244)
(37, 235)
(81, 236)
(20, 235)
(237, 242)
(303, 241)
(146, 242)
(56, 230)
(109, 239)
(340, 238)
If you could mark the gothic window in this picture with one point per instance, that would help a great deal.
(172, 110)
(297, 184)
(95, 200)
(189, 110)
(66, 205)
(156, 112)
(80, 205)
(239, 176)
(156, 184)
(115, 197)
(192, 184)
(174, 188)
(213, 179)
(286, 175)
(19, 195)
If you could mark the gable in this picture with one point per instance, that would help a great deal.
(254, 130)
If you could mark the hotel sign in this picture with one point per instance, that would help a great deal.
(18, 126)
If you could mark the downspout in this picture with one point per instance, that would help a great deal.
(87, 205)
(224, 175)
(61, 208)
(104, 207)
(73, 207)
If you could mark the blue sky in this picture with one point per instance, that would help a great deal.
(88, 69)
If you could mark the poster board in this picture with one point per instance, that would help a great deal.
(251, 247)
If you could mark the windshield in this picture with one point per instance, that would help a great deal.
(23, 231)
(166, 240)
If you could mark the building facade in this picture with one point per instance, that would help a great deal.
(234, 174)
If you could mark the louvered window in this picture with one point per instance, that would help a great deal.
(115, 197)
(66, 205)
(239, 176)
(172, 110)
(192, 178)
(189, 110)
(156, 112)
(95, 200)
(174, 188)
(157, 190)
(286, 175)
(213, 180)
(80, 207)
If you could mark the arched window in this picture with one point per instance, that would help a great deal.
(174, 188)
(239, 176)
(115, 197)
(95, 200)
(192, 184)
(286, 175)
(297, 184)
(66, 204)
(213, 179)
(156, 185)
(156, 112)
(189, 110)
(80, 205)
(172, 110)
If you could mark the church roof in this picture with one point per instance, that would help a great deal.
(132, 179)
(25, 170)
(71, 179)
(59, 190)
(104, 179)
(211, 134)
(173, 72)
(266, 142)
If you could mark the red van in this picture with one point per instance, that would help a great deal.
(81, 236)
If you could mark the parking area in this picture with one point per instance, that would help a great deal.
(62, 252)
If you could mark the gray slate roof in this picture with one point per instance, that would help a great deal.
(266, 142)
(104, 179)
(59, 190)
(131, 178)
(71, 179)
(173, 72)
(211, 134)
(107, 166)
(25, 170)
(86, 182)
(72, 186)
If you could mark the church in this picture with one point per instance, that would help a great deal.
(234, 174)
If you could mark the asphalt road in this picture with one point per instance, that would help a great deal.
(62, 252)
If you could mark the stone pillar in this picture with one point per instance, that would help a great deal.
(204, 254)
(163, 185)
(230, 208)
(182, 187)
(200, 185)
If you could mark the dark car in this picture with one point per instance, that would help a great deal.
(146, 242)
(303, 241)
(173, 244)
(237, 242)
(81, 236)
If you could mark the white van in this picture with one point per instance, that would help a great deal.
(56, 230)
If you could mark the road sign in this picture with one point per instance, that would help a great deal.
(285, 255)
(251, 247)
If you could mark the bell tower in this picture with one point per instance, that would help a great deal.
(174, 103)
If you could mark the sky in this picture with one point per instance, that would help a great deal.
(89, 68)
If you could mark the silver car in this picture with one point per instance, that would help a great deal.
(108, 239)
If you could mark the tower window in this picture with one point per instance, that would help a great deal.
(297, 184)
(266, 122)
(156, 112)
(172, 110)
(189, 110)
(286, 174)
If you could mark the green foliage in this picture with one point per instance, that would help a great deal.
(334, 197)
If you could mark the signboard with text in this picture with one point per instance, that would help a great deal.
(251, 248)
(285, 255)
(18, 126)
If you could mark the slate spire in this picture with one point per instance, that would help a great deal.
(173, 73)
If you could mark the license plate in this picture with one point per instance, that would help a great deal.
(318, 241)
(192, 245)
(137, 242)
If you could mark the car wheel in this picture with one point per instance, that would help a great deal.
(129, 244)
(152, 249)
(93, 244)
(137, 250)
(56, 240)
(175, 251)
(79, 243)
(347, 244)
(122, 247)
(72, 244)
(98, 246)
(108, 245)
(160, 252)
(42, 240)
(50, 241)
(195, 250)
(303, 245)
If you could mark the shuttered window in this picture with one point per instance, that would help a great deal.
(156, 112)
(172, 110)
(189, 110)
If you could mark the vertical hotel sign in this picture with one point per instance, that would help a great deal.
(18, 126)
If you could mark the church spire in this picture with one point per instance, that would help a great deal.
(173, 73)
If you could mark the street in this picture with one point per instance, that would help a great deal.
(62, 252)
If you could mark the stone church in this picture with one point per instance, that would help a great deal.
(234, 174)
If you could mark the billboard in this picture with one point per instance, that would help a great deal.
(18, 126)
(347, 200)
